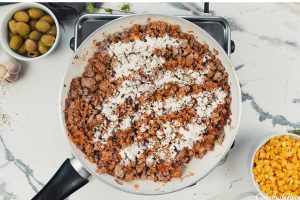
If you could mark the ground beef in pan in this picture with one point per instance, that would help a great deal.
(151, 99)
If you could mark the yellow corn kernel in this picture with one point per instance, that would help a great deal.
(280, 183)
(284, 162)
(266, 162)
(285, 187)
(273, 164)
(295, 177)
(262, 155)
(263, 187)
(273, 179)
(281, 175)
(275, 192)
(268, 192)
(294, 159)
(259, 167)
(289, 154)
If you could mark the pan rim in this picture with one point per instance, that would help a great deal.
(234, 81)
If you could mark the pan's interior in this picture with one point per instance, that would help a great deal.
(198, 167)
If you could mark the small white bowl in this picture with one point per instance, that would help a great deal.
(4, 30)
(260, 142)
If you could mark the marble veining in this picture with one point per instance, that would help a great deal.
(28, 172)
(238, 67)
(6, 195)
(237, 180)
(296, 100)
(263, 115)
(272, 40)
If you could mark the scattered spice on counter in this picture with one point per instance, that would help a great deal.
(2, 90)
(4, 119)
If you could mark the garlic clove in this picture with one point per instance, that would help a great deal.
(11, 77)
(14, 68)
(3, 71)
(9, 67)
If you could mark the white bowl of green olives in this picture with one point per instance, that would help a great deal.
(29, 31)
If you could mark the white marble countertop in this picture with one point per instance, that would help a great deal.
(32, 145)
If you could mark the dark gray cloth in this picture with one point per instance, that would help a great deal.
(66, 10)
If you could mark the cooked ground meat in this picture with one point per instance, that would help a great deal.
(151, 99)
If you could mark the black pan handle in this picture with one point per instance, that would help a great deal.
(72, 43)
(64, 182)
(206, 7)
(232, 46)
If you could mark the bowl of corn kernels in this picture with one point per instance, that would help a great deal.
(275, 166)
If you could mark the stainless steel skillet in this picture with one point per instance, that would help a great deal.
(76, 172)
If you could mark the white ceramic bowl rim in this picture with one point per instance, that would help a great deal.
(4, 30)
(262, 141)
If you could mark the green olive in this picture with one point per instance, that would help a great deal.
(30, 45)
(48, 40)
(22, 49)
(32, 23)
(15, 42)
(35, 35)
(22, 28)
(48, 19)
(43, 26)
(21, 16)
(33, 54)
(53, 30)
(42, 48)
(35, 13)
(12, 26)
